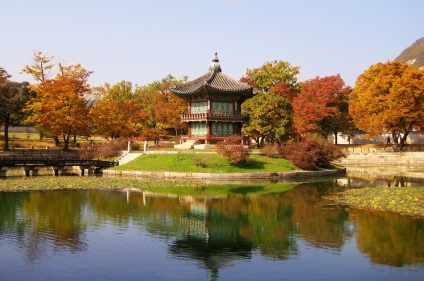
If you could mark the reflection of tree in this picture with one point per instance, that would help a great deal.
(9, 211)
(270, 227)
(321, 227)
(212, 231)
(53, 217)
(389, 238)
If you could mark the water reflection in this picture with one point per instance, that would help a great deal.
(215, 232)
(389, 238)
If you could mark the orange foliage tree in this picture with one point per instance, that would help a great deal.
(114, 119)
(59, 107)
(389, 98)
(163, 107)
(322, 107)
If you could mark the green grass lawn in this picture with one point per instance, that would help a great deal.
(213, 163)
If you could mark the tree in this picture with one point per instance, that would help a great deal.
(40, 70)
(4, 75)
(270, 118)
(121, 91)
(41, 67)
(162, 106)
(168, 108)
(389, 98)
(114, 119)
(59, 107)
(322, 107)
(13, 97)
(277, 76)
(270, 110)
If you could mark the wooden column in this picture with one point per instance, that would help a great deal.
(208, 133)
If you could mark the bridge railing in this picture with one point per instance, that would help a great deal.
(18, 162)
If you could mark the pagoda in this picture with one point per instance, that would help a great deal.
(213, 107)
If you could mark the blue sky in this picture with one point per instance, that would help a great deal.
(143, 41)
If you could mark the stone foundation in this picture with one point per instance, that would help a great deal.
(228, 176)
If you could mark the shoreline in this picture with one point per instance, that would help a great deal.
(228, 176)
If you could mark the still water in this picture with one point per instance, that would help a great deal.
(242, 235)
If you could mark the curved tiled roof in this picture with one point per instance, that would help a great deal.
(214, 81)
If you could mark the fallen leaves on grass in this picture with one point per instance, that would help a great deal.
(403, 200)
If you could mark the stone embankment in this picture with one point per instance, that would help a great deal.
(228, 176)
(378, 163)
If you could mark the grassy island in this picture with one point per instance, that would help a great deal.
(205, 163)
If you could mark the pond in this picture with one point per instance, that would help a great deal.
(246, 234)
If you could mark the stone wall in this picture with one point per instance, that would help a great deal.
(381, 164)
(228, 176)
(415, 137)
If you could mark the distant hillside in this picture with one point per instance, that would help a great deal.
(414, 54)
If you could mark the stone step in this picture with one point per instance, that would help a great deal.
(127, 157)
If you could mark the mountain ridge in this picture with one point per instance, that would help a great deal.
(414, 54)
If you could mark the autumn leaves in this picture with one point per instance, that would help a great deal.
(388, 98)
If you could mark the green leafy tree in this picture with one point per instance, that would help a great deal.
(270, 118)
(13, 97)
(276, 76)
(270, 110)
(389, 98)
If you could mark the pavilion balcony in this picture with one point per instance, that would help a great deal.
(211, 137)
(213, 116)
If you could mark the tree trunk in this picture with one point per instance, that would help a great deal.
(56, 140)
(395, 137)
(262, 141)
(6, 134)
(402, 140)
(66, 142)
(335, 137)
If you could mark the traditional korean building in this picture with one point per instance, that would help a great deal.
(213, 107)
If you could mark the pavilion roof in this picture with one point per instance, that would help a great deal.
(213, 81)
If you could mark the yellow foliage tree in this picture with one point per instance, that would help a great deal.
(389, 98)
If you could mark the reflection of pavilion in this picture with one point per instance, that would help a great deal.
(210, 238)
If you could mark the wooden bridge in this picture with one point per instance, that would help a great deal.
(59, 166)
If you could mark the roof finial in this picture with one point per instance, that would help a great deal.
(215, 63)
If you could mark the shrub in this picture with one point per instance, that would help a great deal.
(112, 148)
(233, 149)
(271, 150)
(201, 160)
(312, 153)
